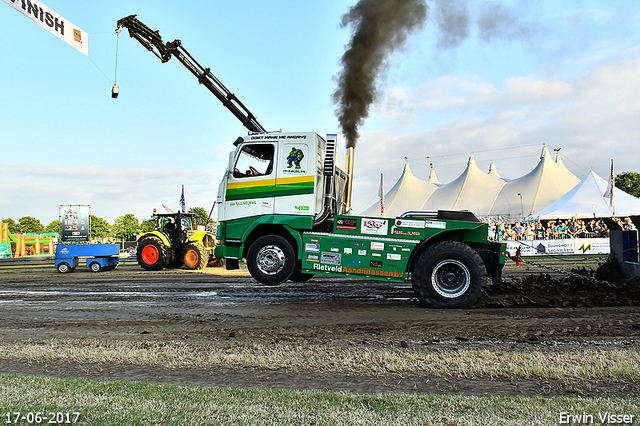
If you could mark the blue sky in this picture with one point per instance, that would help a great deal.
(509, 77)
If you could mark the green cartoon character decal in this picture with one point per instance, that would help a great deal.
(294, 157)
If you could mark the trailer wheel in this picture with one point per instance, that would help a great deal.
(95, 267)
(64, 267)
(449, 274)
(195, 256)
(151, 253)
(271, 260)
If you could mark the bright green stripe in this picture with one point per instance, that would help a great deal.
(299, 188)
(249, 193)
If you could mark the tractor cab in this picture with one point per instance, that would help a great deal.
(175, 225)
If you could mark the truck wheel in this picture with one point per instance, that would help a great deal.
(63, 267)
(271, 260)
(151, 253)
(449, 274)
(95, 267)
(195, 256)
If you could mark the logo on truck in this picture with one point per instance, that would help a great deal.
(374, 226)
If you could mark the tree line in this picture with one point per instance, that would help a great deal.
(124, 228)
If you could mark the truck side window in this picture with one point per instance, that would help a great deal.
(254, 160)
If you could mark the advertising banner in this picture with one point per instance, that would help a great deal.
(74, 222)
(52, 22)
(561, 246)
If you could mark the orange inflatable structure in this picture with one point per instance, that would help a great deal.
(28, 244)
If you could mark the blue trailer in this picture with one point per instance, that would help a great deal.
(99, 257)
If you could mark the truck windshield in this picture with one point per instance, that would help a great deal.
(254, 160)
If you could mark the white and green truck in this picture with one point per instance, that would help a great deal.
(278, 209)
(284, 207)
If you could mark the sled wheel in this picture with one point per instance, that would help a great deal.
(63, 267)
(271, 259)
(449, 274)
(194, 256)
(151, 253)
(95, 267)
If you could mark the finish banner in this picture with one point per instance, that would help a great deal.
(52, 22)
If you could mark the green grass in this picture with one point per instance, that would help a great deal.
(123, 403)
(616, 365)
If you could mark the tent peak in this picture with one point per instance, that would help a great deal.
(493, 171)
(433, 178)
(472, 160)
(545, 152)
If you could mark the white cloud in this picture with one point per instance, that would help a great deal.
(26, 190)
(593, 118)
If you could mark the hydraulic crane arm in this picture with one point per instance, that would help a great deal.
(152, 41)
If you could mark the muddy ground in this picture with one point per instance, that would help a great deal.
(534, 309)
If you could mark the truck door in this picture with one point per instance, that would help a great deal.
(295, 177)
(251, 182)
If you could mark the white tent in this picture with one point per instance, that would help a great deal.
(547, 182)
(587, 200)
(473, 190)
(407, 194)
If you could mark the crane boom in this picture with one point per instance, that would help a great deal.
(152, 41)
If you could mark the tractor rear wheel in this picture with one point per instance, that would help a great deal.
(449, 274)
(195, 256)
(152, 253)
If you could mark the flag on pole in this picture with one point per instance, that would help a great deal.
(381, 195)
(53, 22)
(609, 192)
(183, 205)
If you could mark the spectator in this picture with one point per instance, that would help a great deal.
(518, 229)
(628, 225)
(562, 230)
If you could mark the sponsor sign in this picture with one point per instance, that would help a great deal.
(331, 258)
(393, 256)
(74, 223)
(313, 258)
(435, 224)
(374, 226)
(312, 247)
(347, 224)
(409, 223)
(377, 246)
(560, 246)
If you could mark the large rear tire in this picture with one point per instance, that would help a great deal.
(195, 256)
(449, 274)
(271, 260)
(152, 253)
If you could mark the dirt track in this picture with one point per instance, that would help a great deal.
(214, 306)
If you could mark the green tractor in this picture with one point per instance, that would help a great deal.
(176, 241)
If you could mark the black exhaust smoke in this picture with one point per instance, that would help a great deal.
(378, 28)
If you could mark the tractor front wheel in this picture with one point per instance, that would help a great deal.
(151, 253)
(195, 256)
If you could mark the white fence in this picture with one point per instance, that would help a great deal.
(560, 246)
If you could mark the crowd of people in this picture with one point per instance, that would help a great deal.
(555, 229)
